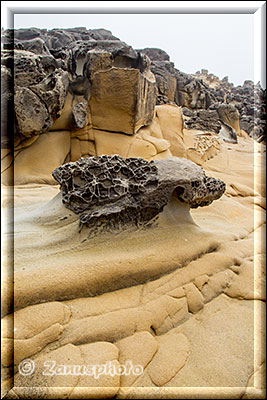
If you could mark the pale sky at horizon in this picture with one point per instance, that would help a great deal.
(221, 43)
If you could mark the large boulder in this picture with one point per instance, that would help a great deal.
(113, 192)
(123, 100)
(36, 106)
(230, 116)
(31, 114)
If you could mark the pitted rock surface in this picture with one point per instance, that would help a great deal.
(132, 190)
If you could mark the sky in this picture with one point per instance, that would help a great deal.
(221, 43)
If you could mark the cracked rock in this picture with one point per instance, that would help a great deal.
(120, 191)
(79, 115)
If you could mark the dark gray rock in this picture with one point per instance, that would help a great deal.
(189, 92)
(33, 54)
(116, 191)
(207, 120)
(155, 54)
(192, 93)
(28, 33)
(29, 68)
(187, 112)
(250, 100)
(36, 46)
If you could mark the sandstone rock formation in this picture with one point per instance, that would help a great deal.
(71, 88)
(171, 289)
(113, 191)
(204, 91)
(248, 99)
(94, 94)
(165, 296)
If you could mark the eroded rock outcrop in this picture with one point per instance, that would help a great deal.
(115, 191)
(94, 94)
(86, 64)
(205, 92)
(204, 120)
(247, 99)
(174, 86)
(80, 85)
(161, 297)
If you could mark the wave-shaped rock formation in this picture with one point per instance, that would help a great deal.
(117, 191)
(114, 258)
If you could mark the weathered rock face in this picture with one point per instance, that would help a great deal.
(89, 66)
(176, 86)
(229, 115)
(86, 84)
(7, 112)
(128, 111)
(250, 100)
(100, 94)
(204, 91)
(206, 120)
(116, 191)
(160, 297)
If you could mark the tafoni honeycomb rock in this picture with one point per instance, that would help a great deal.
(118, 191)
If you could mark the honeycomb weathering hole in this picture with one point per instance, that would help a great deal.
(110, 191)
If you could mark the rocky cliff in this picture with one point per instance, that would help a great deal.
(78, 92)
(244, 107)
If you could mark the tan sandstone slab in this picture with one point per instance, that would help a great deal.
(133, 108)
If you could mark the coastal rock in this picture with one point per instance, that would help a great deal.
(64, 68)
(35, 45)
(80, 115)
(119, 191)
(230, 116)
(31, 114)
(93, 85)
(33, 164)
(177, 295)
(171, 122)
(174, 86)
(53, 90)
(130, 110)
(205, 120)
(7, 112)
(228, 133)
